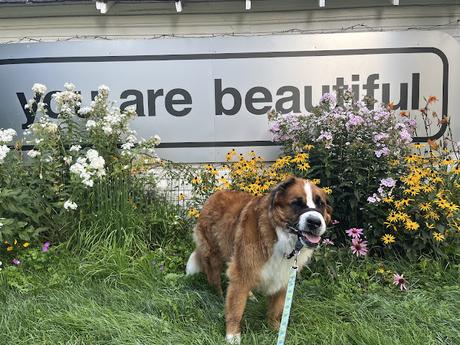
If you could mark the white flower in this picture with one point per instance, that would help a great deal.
(157, 139)
(104, 90)
(52, 127)
(69, 87)
(131, 138)
(77, 168)
(103, 87)
(33, 153)
(100, 173)
(107, 129)
(90, 124)
(1, 224)
(70, 205)
(3, 152)
(65, 109)
(67, 160)
(92, 154)
(84, 111)
(86, 171)
(39, 89)
(85, 175)
(97, 163)
(372, 200)
(131, 111)
(127, 146)
(6, 135)
(88, 182)
(64, 97)
(75, 148)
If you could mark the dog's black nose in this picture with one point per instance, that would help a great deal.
(313, 223)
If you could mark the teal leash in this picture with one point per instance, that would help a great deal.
(287, 304)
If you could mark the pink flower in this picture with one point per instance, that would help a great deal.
(16, 262)
(354, 232)
(45, 247)
(359, 247)
(400, 280)
(335, 221)
(327, 242)
(382, 152)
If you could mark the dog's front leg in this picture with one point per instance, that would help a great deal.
(275, 308)
(237, 295)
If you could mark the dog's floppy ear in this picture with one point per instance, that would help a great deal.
(329, 210)
(280, 188)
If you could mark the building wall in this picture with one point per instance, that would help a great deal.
(134, 19)
(151, 20)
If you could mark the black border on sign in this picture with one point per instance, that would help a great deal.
(253, 55)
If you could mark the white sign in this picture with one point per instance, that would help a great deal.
(204, 96)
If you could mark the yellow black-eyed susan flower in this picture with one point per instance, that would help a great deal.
(388, 239)
(438, 236)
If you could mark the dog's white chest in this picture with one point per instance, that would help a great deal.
(275, 273)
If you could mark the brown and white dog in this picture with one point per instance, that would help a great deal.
(251, 234)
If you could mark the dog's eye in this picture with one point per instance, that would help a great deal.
(298, 203)
(319, 202)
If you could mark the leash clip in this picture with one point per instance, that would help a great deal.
(295, 267)
(298, 246)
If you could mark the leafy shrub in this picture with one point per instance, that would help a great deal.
(83, 169)
(249, 174)
(353, 148)
(421, 205)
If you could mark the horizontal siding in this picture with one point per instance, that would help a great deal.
(124, 20)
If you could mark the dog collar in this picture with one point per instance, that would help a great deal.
(298, 247)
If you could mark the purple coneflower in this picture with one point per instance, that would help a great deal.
(359, 247)
(45, 247)
(400, 280)
(16, 262)
(354, 232)
(327, 242)
(335, 221)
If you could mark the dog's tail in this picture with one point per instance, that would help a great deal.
(193, 264)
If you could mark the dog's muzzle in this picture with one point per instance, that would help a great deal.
(311, 226)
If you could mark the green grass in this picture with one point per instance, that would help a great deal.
(110, 298)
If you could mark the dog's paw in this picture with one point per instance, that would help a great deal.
(234, 339)
(274, 324)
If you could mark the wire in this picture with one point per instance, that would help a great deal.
(361, 27)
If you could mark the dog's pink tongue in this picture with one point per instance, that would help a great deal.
(312, 238)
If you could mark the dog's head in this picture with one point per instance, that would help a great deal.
(300, 204)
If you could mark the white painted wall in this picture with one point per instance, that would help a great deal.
(134, 19)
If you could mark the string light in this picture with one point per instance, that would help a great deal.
(178, 6)
(352, 28)
(248, 5)
(103, 6)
